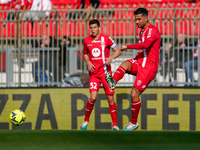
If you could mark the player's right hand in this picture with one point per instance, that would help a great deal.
(91, 67)
(123, 47)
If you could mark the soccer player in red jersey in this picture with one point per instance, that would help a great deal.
(144, 66)
(96, 50)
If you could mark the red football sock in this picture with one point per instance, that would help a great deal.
(113, 113)
(88, 110)
(135, 111)
(119, 74)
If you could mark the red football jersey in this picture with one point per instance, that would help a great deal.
(149, 47)
(98, 50)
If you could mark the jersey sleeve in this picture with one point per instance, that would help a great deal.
(151, 36)
(111, 43)
(85, 50)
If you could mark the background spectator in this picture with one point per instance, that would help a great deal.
(191, 65)
(167, 62)
(175, 56)
(63, 56)
(45, 60)
(180, 51)
(65, 42)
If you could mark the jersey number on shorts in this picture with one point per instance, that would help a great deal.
(93, 85)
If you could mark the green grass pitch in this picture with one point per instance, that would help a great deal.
(98, 140)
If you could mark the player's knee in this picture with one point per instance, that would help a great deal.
(110, 99)
(134, 97)
(135, 94)
(93, 98)
(126, 65)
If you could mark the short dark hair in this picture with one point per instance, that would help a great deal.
(94, 21)
(142, 11)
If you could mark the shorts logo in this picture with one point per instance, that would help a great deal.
(96, 52)
(143, 86)
(139, 82)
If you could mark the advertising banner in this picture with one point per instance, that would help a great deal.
(64, 108)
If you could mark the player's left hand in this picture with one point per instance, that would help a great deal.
(108, 61)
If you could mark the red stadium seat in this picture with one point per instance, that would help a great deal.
(72, 29)
(81, 28)
(102, 27)
(63, 12)
(121, 2)
(107, 28)
(68, 2)
(112, 28)
(166, 1)
(185, 26)
(63, 5)
(169, 27)
(180, 7)
(137, 30)
(74, 3)
(26, 29)
(107, 2)
(41, 28)
(193, 10)
(197, 27)
(1, 29)
(51, 29)
(159, 25)
(151, 7)
(190, 24)
(55, 2)
(3, 14)
(141, 1)
(10, 29)
(129, 28)
(165, 27)
(119, 28)
(67, 28)
(37, 29)
(167, 12)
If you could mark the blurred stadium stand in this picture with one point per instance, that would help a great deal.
(67, 18)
